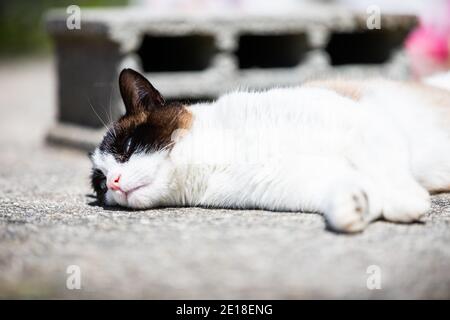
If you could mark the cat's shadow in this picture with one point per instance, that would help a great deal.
(98, 204)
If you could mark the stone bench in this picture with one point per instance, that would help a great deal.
(196, 57)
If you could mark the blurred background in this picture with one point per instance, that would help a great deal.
(195, 50)
(22, 27)
(58, 84)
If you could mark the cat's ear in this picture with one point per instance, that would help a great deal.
(138, 94)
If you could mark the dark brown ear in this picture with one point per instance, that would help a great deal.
(137, 92)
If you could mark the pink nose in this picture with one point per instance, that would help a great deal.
(114, 183)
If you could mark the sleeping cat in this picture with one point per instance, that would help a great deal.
(354, 151)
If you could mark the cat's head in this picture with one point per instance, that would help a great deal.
(131, 166)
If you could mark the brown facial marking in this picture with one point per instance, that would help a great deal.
(154, 129)
(149, 121)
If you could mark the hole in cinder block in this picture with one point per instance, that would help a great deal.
(271, 51)
(176, 53)
(367, 47)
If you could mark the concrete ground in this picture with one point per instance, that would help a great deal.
(49, 221)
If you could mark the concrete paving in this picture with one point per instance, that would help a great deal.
(49, 221)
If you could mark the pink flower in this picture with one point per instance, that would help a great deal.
(426, 42)
(428, 46)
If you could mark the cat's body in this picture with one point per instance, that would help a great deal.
(353, 151)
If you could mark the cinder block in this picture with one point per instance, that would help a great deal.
(196, 57)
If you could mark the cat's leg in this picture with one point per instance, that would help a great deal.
(349, 199)
(359, 198)
(404, 199)
(352, 196)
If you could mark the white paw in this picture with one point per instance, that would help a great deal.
(349, 211)
(406, 206)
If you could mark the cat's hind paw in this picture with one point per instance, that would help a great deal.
(407, 207)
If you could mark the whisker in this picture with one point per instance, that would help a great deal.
(110, 117)
(95, 112)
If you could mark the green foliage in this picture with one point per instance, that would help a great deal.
(21, 23)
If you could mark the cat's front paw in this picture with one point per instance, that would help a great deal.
(351, 209)
(349, 212)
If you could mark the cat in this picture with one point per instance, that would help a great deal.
(355, 151)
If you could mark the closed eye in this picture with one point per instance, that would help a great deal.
(127, 145)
